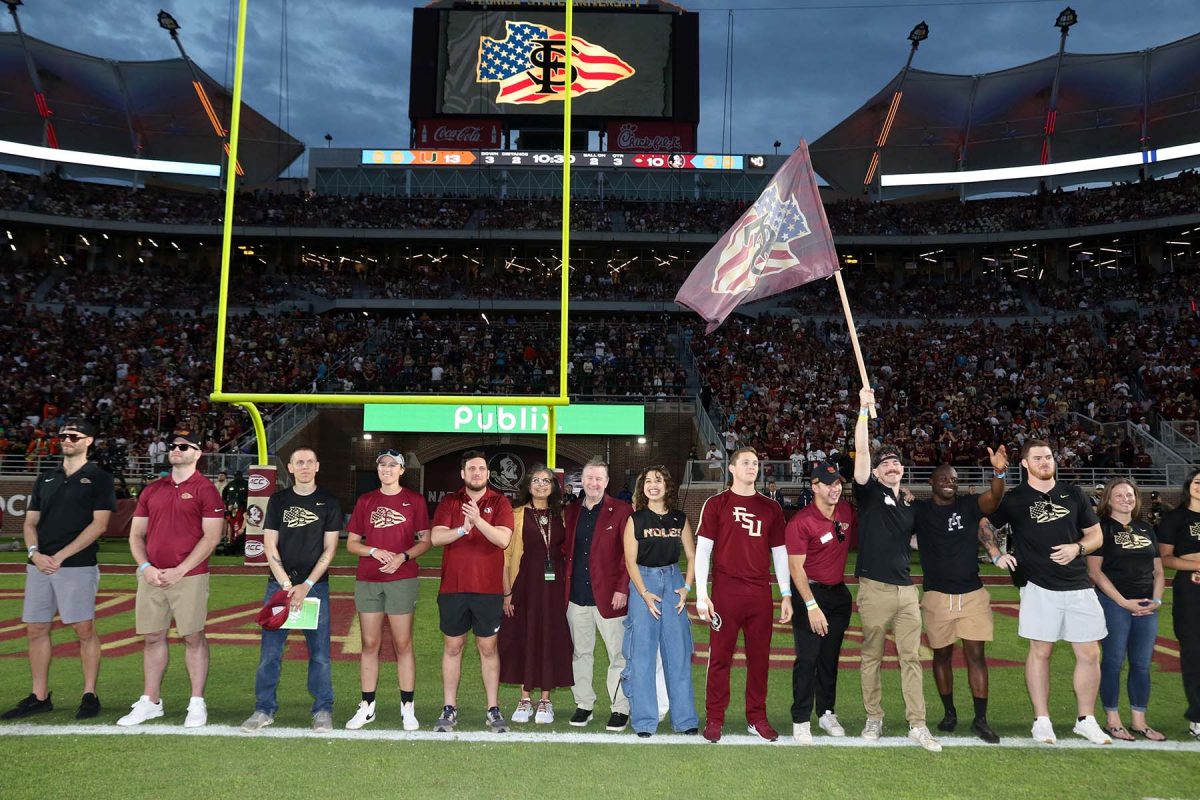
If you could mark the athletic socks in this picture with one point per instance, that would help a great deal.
(948, 704)
(406, 697)
(980, 707)
(368, 697)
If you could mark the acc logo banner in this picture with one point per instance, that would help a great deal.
(257, 483)
(529, 62)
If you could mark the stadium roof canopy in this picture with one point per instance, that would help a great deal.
(129, 107)
(951, 122)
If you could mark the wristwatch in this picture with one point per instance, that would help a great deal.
(1082, 550)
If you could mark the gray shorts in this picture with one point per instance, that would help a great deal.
(71, 592)
(1071, 616)
(386, 597)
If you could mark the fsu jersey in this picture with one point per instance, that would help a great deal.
(743, 529)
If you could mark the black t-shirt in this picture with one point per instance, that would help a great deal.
(1040, 521)
(659, 537)
(66, 505)
(302, 521)
(885, 525)
(948, 543)
(1181, 528)
(1129, 554)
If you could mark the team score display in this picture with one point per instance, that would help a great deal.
(517, 158)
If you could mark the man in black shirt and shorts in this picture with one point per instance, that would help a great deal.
(955, 604)
(69, 510)
(1053, 526)
(887, 597)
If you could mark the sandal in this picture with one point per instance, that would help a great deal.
(1119, 733)
(1150, 734)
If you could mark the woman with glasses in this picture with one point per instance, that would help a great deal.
(657, 623)
(535, 641)
(1128, 574)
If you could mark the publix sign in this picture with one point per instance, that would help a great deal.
(600, 420)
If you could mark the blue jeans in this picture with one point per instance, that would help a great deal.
(1132, 636)
(320, 676)
(645, 638)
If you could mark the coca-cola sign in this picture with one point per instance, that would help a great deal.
(458, 134)
(639, 136)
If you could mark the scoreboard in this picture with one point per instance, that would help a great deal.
(535, 159)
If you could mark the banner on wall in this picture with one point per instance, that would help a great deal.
(458, 134)
(260, 486)
(645, 136)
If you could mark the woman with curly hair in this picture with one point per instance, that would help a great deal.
(657, 624)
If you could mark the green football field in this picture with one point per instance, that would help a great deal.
(54, 756)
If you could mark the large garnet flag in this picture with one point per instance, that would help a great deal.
(782, 241)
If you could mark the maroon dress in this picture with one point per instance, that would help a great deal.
(535, 642)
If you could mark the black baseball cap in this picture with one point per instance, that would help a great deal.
(191, 437)
(885, 453)
(396, 454)
(826, 473)
(79, 425)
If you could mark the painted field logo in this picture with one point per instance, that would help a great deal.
(529, 64)
(257, 483)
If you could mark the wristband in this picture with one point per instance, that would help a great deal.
(1001, 474)
(407, 557)
(142, 567)
(782, 593)
(308, 582)
(996, 558)
(371, 552)
(33, 548)
(1158, 600)
(811, 605)
(687, 588)
(462, 531)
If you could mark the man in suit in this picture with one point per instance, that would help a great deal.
(776, 494)
(597, 592)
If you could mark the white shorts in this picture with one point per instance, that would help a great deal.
(1071, 616)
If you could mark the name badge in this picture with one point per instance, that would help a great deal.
(826, 538)
(548, 570)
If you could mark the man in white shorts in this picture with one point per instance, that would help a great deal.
(1053, 526)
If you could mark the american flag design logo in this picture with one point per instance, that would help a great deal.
(387, 518)
(529, 64)
(761, 243)
(297, 517)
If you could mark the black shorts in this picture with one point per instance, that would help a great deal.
(469, 611)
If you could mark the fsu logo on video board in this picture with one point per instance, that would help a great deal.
(529, 64)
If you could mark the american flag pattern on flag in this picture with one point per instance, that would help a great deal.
(782, 241)
(513, 62)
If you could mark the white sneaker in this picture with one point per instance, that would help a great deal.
(364, 715)
(257, 721)
(545, 713)
(1043, 731)
(523, 711)
(197, 715)
(1194, 729)
(1089, 729)
(802, 732)
(923, 737)
(141, 711)
(829, 723)
(409, 714)
(873, 729)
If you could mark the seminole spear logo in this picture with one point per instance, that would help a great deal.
(529, 63)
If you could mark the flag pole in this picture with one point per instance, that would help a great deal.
(862, 367)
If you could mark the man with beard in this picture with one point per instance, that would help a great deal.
(1054, 527)
(955, 603)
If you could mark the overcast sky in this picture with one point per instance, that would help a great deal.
(799, 66)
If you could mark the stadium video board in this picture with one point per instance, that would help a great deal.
(507, 62)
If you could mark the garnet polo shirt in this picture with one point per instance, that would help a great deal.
(472, 563)
(175, 513)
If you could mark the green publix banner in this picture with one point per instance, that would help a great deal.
(593, 419)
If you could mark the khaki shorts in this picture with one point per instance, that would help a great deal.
(386, 597)
(957, 616)
(186, 602)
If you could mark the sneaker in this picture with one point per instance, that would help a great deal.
(980, 728)
(691, 731)
(763, 730)
(89, 706)
(829, 723)
(1194, 729)
(446, 722)
(948, 723)
(257, 721)
(523, 711)
(712, 731)
(923, 737)
(581, 717)
(495, 721)
(644, 734)
(408, 714)
(141, 711)
(29, 706)
(873, 729)
(197, 713)
(1043, 731)
(322, 722)
(545, 713)
(363, 716)
(1089, 729)
(617, 722)
(802, 732)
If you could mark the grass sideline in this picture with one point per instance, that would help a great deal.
(177, 766)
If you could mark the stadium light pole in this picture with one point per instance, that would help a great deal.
(49, 137)
(918, 34)
(1066, 18)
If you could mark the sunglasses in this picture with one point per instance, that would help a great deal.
(839, 530)
(181, 446)
(73, 437)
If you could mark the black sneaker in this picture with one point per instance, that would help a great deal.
(617, 722)
(89, 707)
(948, 723)
(984, 731)
(29, 706)
(581, 717)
